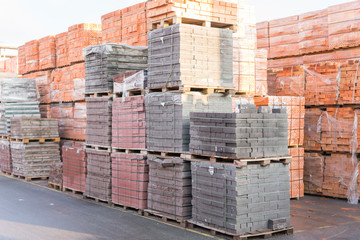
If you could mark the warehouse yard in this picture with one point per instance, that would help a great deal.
(183, 119)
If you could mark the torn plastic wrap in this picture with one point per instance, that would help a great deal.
(135, 81)
(18, 90)
(289, 81)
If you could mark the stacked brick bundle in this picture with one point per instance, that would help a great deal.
(104, 61)
(98, 178)
(177, 57)
(42, 81)
(81, 36)
(9, 65)
(111, 24)
(5, 156)
(134, 25)
(168, 117)
(74, 166)
(169, 189)
(297, 172)
(224, 199)
(21, 59)
(25, 162)
(251, 133)
(99, 121)
(32, 56)
(128, 123)
(62, 49)
(47, 53)
(130, 177)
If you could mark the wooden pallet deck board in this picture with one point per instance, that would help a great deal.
(65, 189)
(186, 88)
(39, 140)
(127, 208)
(165, 153)
(55, 186)
(165, 217)
(100, 94)
(129, 151)
(28, 179)
(130, 93)
(98, 148)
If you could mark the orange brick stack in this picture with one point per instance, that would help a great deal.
(62, 49)
(47, 53)
(134, 25)
(261, 85)
(32, 56)
(81, 36)
(287, 81)
(9, 65)
(297, 172)
(111, 24)
(21, 59)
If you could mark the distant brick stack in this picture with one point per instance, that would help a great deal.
(177, 58)
(168, 117)
(5, 156)
(47, 53)
(74, 166)
(240, 200)
(128, 123)
(30, 127)
(98, 179)
(169, 189)
(99, 116)
(130, 177)
(62, 49)
(249, 134)
(32, 56)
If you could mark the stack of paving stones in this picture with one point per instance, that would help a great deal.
(128, 123)
(240, 200)
(104, 61)
(28, 127)
(74, 165)
(56, 174)
(168, 117)
(5, 156)
(99, 116)
(130, 178)
(251, 133)
(169, 191)
(98, 179)
(190, 55)
(32, 159)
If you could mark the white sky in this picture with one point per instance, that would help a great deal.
(25, 20)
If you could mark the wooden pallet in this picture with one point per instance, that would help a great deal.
(236, 161)
(39, 140)
(186, 88)
(100, 94)
(5, 137)
(127, 208)
(65, 189)
(266, 233)
(175, 20)
(28, 179)
(55, 186)
(165, 217)
(130, 93)
(129, 151)
(98, 200)
(98, 148)
(6, 173)
(165, 153)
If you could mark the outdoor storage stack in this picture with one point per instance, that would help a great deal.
(104, 61)
(74, 166)
(240, 200)
(35, 148)
(168, 117)
(189, 55)
(170, 187)
(5, 156)
(252, 133)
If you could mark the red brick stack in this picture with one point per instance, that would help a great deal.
(32, 56)
(81, 36)
(21, 59)
(47, 53)
(130, 177)
(62, 49)
(9, 65)
(134, 25)
(112, 27)
(74, 166)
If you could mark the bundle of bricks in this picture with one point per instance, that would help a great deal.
(5, 156)
(81, 36)
(21, 59)
(47, 53)
(169, 189)
(104, 61)
(9, 65)
(42, 81)
(134, 25)
(32, 56)
(128, 123)
(240, 200)
(98, 178)
(189, 55)
(29, 135)
(62, 49)
(251, 133)
(168, 117)
(74, 166)
(111, 24)
(130, 178)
